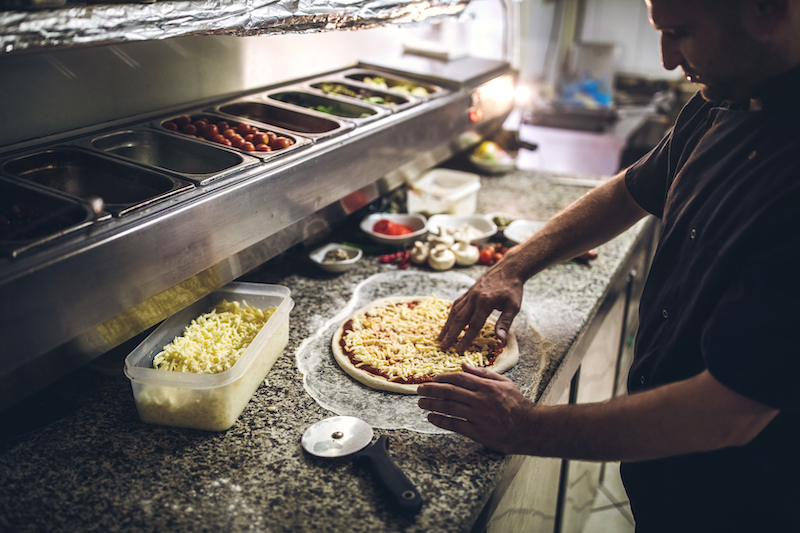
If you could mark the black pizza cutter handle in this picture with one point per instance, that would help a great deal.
(402, 494)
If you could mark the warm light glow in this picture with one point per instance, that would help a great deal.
(522, 95)
(499, 90)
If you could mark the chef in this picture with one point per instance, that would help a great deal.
(707, 436)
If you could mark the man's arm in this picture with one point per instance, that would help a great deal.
(695, 415)
(595, 218)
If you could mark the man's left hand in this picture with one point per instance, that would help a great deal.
(480, 404)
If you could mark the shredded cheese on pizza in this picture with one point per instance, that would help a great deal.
(214, 341)
(400, 340)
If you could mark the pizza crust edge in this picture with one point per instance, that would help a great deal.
(505, 361)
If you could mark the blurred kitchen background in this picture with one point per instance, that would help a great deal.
(605, 47)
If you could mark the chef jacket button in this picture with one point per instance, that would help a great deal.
(693, 233)
(664, 313)
(752, 155)
(641, 380)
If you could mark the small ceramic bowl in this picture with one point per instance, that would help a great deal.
(354, 256)
(502, 166)
(481, 223)
(520, 231)
(415, 221)
(501, 220)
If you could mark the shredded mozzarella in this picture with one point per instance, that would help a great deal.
(401, 340)
(214, 341)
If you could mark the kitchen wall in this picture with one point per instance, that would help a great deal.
(623, 22)
(626, 23)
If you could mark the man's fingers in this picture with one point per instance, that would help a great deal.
(482, 372)
(503, 324)
(456, 320)
(452, 424)
(456, 409)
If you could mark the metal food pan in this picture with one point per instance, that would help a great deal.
(342, 108)
(30, 217)
(301, 121)
(123, 187)
(197, 162)
(360, 92)
(216, 119)
(394, 83)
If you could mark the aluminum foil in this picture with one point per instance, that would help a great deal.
(112, 23)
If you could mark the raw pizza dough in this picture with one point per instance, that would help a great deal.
(507, 358)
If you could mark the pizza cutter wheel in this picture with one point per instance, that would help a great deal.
(341, 436)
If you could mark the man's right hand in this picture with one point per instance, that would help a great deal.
(499, 288)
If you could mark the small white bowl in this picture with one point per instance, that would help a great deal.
(479, 222)
(506, 216)
(520, 231)
(502, 166)
(418, 222)
(354, 255)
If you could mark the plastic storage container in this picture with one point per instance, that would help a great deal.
(444, 191)
(208, 401)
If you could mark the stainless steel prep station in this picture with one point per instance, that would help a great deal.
(100, 467)
(187, 215)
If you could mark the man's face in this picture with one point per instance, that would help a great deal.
(711, 46)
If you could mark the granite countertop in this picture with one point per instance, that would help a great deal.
(98, 468)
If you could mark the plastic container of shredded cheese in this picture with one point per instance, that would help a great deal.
(209, 401)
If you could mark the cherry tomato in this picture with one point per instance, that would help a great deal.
(218, 139)
(248, 137)
(243, 128)
(260, 138)
(229, 133)
(497, 257)
(183, 120)
(222, 125)
(237, 141)
(272, 136)
(200, 123)
(189, 129)
(227, 142)
(210, 131)
(171, 126)
(263, 148)
(486, 256)
(248, 146)
(280, 143)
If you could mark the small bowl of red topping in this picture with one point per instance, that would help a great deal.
(394, 228)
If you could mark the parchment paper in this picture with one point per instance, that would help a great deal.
(336, 391)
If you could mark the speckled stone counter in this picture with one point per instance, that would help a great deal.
(100, 469)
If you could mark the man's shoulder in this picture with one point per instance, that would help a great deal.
(696, 109)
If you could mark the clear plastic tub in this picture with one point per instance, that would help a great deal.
(208, 401)
(444, 191)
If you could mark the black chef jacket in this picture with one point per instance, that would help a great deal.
(723, 294)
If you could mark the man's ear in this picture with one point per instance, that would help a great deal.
(762, 17)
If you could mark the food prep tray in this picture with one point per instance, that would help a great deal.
(297, 142)
(255, 109)
(81, 174)
(394, 83)
(301, 98)
(30, 218)
(362, 93)
(196, 162)
(208, 401)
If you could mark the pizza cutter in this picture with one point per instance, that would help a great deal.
(342, 436)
